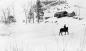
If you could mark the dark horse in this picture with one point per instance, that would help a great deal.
(65, 29)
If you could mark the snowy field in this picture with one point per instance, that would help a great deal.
(44, 37)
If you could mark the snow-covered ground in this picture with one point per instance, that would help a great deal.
(45, 37)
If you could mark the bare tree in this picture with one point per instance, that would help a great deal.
(34, 13)
(8, 17)
(29, 14)
(4, 17)
(26, 11)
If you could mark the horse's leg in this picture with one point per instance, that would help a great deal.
(65, 33)
(68, 33)
(59, 33)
